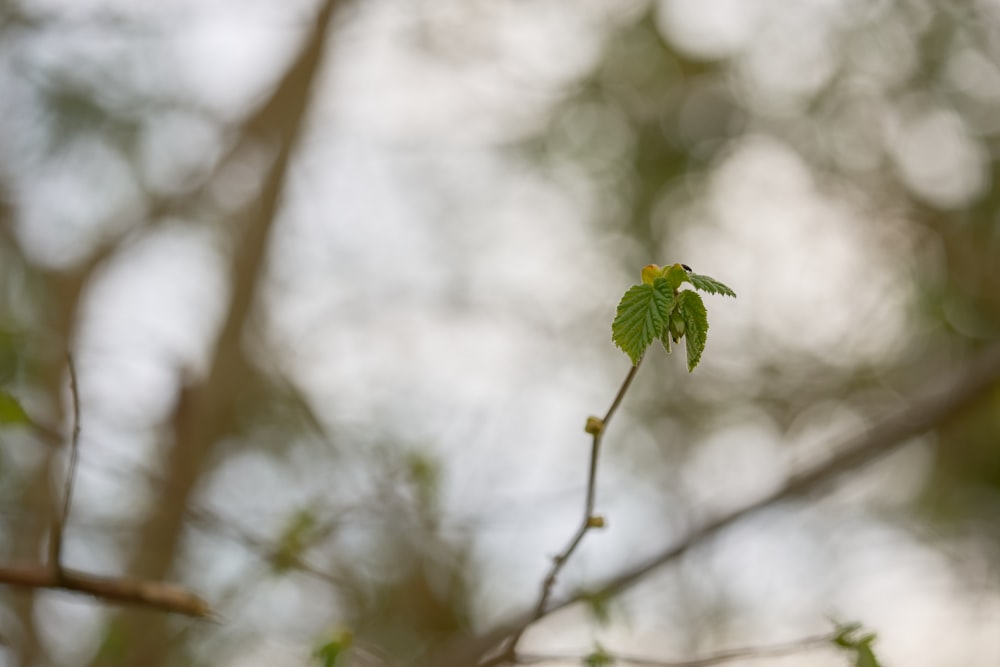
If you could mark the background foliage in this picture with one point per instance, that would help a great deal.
(338, 280)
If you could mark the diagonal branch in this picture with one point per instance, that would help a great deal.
(934, 406)
(753, 653)
(939, 401)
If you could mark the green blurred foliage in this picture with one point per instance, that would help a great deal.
(598, 658)
(851, 638)
(334, 650)
(11, 412)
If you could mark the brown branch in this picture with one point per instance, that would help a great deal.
(752, 653)
(155, 594)
(940, 400)
(124, 590)
(596, 427)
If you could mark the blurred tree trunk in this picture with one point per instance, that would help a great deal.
(206, 411)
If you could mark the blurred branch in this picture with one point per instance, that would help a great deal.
(59, 524)
(64, 293)
(752, 653)
(939, 401)
(124, 590)
(265, 549)
(268, 550)
(596, 427)
(206, 411)
(53, 575)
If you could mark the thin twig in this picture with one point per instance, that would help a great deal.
(59, 525)
(589, 522)
(751, 653)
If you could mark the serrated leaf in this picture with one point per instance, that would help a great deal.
(693, 313)
(11, 411)
(641, 317)
(709, 284)
(665, 339)
(676, 326)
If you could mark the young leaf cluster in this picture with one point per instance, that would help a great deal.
(851, 638)
(657, 308)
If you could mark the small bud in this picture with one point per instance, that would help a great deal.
(596, 521)
(594, 425)
(675, 274)
(651, 272)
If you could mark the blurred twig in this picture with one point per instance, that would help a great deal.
(59, 524)
(939, 401)
(750, 653)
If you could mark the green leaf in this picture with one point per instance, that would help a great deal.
(641, 317)
(665, 339)
(599, 658)
(330, 652)
(866, 657)
(845, 632)
(695, 330)
(599, 606)
(847, 638)
(296, 537)
(709, 284)
(11, 411)
(677, 326)
(115, 644)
